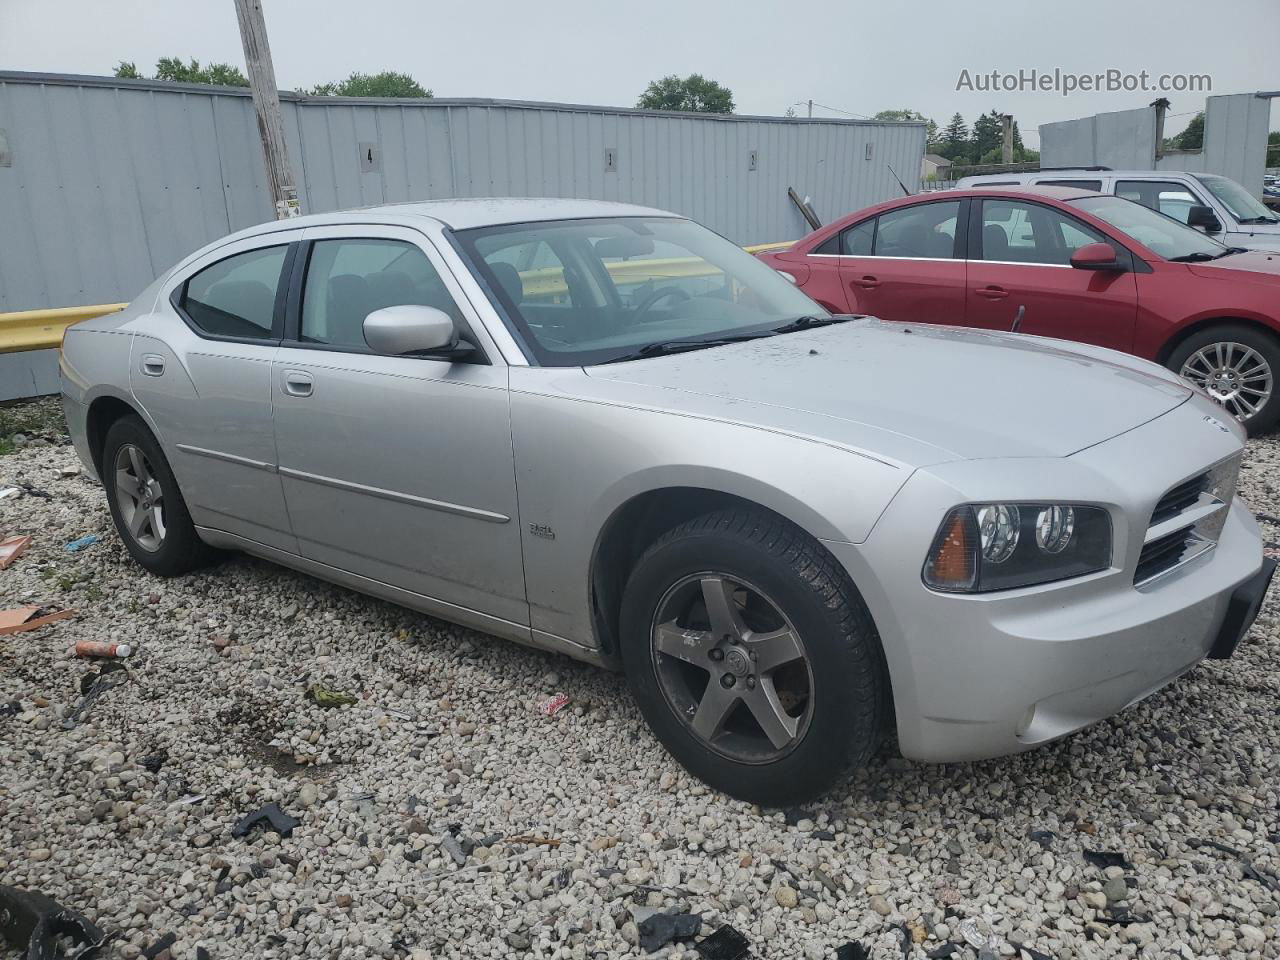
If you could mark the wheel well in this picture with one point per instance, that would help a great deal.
(629, 532)
(1192, 329)
(103, 412)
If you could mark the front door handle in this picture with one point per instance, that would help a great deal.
(297, 383)
(152, 364)
(993, 292)
(868, 282)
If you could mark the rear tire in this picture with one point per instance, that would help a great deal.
(146, 504)
(790, 732)
(1239, 366)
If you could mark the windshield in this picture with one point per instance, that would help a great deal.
(1168, 237)
(1243, 205)
(583, 292)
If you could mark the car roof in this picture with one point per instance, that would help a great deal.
(1084, 173)
(463, 214)
(1029, 190)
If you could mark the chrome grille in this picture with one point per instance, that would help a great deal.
(1187, 520)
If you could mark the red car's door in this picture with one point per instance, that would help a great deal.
(1020, 256)
(902, 265)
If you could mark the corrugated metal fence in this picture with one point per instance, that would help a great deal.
(108, 182)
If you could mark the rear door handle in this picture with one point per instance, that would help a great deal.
(297, 383)
(993, 293)
(869, 282)
(152, 364)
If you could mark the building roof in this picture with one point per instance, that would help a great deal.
(937, 160)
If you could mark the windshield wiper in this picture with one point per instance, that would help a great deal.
(1260, 219)
(808, 323)
(1198, 257)
(665, 347)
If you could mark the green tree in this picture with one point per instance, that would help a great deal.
(955, 139)
(174, 70)
(695, 93)
(1191, 138)
(931, 128)
(388, 83)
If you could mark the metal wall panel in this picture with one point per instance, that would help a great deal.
(114, 180)
(1235, 141)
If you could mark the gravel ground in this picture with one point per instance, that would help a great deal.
(445, 748)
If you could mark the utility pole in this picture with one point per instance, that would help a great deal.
(266, 104)
(810, 108)
(1006, 145)
(1161, 106)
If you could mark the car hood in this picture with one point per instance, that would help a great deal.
(1229, 268)
(910, 393)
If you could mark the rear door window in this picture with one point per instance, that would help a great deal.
(926, 231)
(1169, 197)
(236, 297)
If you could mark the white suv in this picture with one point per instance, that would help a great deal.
(1217, 205)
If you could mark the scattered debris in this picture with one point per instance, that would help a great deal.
(270, 817)
(453, 848)
(1107, 858)
(537, 841)
(160, 946)
(725, 944)
(944, 951)
(1030, 952)
(322, 696)
(67, 472)
(852, 951)
(1043, 837)
(660, 929)
(31, 919)
(30, 618)
(1248, 867)
(101, 648)
(553, 705)
(99, 685)
(8, 492)
(15, 488)
(12, 548)
(75, 546)
(10, 709)
(793, 815)
(154, 762)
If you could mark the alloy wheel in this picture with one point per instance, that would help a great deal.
(1235, 375)
(139, 497)
(732, 667)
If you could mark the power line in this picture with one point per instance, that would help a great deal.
(849, 113)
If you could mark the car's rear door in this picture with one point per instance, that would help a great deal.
(395, 468)
(201, 369)
(1020, 264)
(907, 264)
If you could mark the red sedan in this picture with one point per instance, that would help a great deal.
(1060, 262)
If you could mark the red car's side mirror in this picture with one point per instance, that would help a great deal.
(1096, 256)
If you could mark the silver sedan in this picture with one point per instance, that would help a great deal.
(606, 431)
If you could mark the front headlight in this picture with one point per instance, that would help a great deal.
(999, 546)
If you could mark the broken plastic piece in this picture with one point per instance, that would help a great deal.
(1107, 858)
(725, 944)
(553, 705)
(453, 848)
(270, 817)
(974, 936)
(75, 546)
(852, 951)
(160, 946)
(322, 696)
(100, 685)
(662, 928)
(31, 919)
(1029, 951)
(1043, 837)
(29, 618)
(12, 548)
(942, 952)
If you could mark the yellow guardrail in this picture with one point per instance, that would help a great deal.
(42, 329)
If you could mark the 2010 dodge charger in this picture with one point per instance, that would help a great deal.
(606, 431)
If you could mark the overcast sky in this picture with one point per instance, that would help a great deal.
(849, 54)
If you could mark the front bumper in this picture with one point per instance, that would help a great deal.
(984, 675)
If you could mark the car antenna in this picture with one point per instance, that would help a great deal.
(905, 191)
(1017, 320)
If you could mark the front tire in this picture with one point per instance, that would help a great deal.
(752, 657)
(1238, 365)
(146, 504)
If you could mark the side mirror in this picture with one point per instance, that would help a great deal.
(1096, 256)
(413, 328)
(1204, 218)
